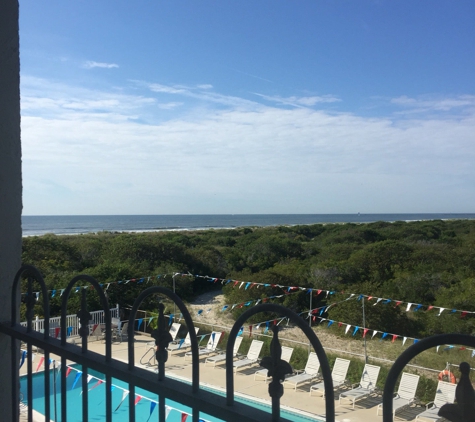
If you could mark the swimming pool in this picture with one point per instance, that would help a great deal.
(146, 406)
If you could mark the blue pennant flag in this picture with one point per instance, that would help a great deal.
(384, 335)
(170, 319)
(78, 375)
(330, 323)
(23, 357)
(140, 323)
(225, 307)
(152, 407)
(247, 285)
(241, 330)
(53, 292)
(200, 311)
(360, 297)
(356, 330)
(417, 308)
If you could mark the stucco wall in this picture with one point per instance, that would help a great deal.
(10, 181)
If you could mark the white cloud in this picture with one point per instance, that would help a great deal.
(300, 101)
(92, 65)
(243, 157)
(427, 103)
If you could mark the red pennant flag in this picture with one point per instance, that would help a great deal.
(313, 318)
(221, 338)
(398, 303)
(272, 285)
(365, 331)
(241, 305)
(56, 332)
(275, 322)
(464, 314)
(370, 297)
(137, 399)
(183, 417)
(97, 384)
(40, 363)
(340, 324)
(430, 307)
(68, 371)
(252, 285)
(250, 330)
(462, 348)
(234, 285)
(133, 280)
(318, 292)
(264, 300)
(395, 336)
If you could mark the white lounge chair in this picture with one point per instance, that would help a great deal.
(406, 393)
(182, 344)
(339, 371)
(174, 328)
(222, 356)
(252, 355)
(366, 386)
(213, 341)
(309, 373)
(286, 355)
(445, 393)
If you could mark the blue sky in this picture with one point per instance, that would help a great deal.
(210, 107)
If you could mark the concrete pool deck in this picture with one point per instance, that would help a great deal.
(244, 383)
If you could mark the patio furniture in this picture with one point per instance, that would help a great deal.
(213, 341)
(222, 356)
(339, 371)
(310, 372)
(182, 344)
(406, 393)
(252, 355)
(445, 393)
(286, 355)
(366, 386)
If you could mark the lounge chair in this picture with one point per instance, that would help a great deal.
(445, 393)
(182, 344)
(122, 330)
(339, 371)
(213, 341)
(366, 386)
(406, 393)
(252, 355)
(222, 356)
(97, 332)
(286, 355)
(309, 373)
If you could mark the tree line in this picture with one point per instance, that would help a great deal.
(426, 262)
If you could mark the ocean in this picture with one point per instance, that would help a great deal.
(79, 224)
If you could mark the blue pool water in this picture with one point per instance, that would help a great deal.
(144, 409)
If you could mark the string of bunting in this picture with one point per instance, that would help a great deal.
(409, 306)
(125, 393)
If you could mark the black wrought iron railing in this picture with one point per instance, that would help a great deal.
(199, 400)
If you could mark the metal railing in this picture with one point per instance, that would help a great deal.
(166, 388)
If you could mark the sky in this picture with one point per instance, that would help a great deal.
(247, 107)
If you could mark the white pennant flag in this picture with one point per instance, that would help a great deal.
(437, 349)
(379, 300)
(168, 409)
(374, 333)
(441, 310)
(89, 378)
(404, 340)
(408, 307)
(242, 283)
(347, 328)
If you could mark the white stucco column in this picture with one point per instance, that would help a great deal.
(10, 182)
